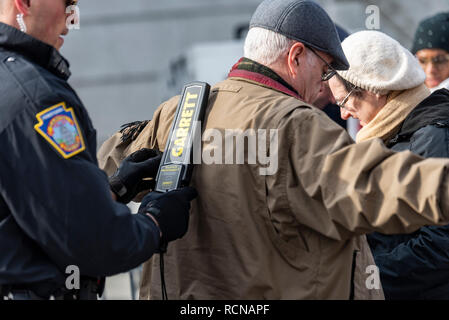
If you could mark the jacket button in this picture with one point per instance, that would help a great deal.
(11, 59)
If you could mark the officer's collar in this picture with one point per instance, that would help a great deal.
(39, 52)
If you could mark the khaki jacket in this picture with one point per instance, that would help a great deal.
(291, 234)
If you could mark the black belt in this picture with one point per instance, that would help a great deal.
(89, 290)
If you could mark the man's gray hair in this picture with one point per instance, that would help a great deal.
(265, 46)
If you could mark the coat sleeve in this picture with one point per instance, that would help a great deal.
(412, 267)
(339, 189)
(415, 258)
(65, 205)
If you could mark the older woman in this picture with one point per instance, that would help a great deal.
(384, 88)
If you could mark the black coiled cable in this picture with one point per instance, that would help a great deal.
(162, 250)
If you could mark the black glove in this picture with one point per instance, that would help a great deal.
(128, 181)
(171, 211)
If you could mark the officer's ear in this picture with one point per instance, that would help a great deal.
(23, 6)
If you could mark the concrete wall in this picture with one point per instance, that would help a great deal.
(122, 54)
(398, 18)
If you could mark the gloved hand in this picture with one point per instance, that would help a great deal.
(128, 181)
(170, 210)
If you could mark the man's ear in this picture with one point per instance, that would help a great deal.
(23, 6)
(295, 55)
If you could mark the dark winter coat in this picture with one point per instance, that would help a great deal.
(416, 266)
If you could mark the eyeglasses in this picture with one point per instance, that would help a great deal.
(330, 70)
(341, 103)
(438, 61)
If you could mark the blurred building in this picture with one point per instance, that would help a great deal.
(122, 53)
(126, 52)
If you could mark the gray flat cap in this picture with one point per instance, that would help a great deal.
(303, 21)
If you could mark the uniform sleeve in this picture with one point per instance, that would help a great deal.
(410, 267)
(65, 205)
(340, 189)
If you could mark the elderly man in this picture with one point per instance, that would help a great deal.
(56, 210)
(289, 231)
(431, 47)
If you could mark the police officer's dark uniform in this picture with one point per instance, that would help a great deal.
(55, 203)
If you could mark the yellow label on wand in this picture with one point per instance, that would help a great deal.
(182, 133)
(176, 166)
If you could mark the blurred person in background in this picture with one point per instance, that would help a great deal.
(431, 47)
(384, 88)
(289, 233)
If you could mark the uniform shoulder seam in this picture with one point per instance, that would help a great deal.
(38, 77)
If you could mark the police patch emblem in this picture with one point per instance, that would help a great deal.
(59, 127)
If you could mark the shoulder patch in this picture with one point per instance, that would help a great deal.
(59, 127)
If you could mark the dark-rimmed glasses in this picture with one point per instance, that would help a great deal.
(330, 70)
(438, 61)
(341, 103)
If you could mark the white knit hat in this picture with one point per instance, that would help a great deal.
(379, 64)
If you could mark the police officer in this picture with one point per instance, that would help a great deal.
(56, 208)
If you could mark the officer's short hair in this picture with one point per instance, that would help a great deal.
(265, 46)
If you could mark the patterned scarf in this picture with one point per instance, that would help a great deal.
(251, 70)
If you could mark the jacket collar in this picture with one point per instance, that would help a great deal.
(37, 51)
(248, 69)
(434, 110)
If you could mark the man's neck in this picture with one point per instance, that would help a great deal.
(282, 71)
(252, 70)
(9, 19)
